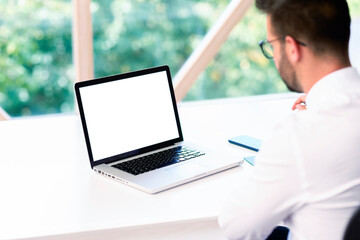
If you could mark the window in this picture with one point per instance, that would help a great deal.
(239, 69)
(36, 63)
(35, 57)
(134, 34)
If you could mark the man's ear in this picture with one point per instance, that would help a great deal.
(293, 49)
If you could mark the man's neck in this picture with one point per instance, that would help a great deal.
(316, 68)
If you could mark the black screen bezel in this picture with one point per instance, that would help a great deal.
(119, 77)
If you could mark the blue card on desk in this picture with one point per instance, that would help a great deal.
(246, 142)
(250, 159)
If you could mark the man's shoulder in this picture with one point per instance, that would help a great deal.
(311, 132)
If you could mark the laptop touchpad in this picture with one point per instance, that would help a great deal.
(187, 170)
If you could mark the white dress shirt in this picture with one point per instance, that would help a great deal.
(307, 174)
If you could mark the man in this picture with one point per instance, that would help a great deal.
(307, 174)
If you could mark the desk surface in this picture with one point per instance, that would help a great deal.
(48, 188)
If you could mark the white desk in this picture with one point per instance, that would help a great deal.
(49, 190)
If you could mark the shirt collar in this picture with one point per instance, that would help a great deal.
(331, 89)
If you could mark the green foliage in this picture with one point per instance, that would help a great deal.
(36, 69)
(138, 34)
(354, 7)
(130, 35)
(240, 69)
(35, 57)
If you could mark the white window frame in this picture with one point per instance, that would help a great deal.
(209, 47)
(4, 115)
(82, 35)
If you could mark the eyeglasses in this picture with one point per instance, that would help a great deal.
(268, 50)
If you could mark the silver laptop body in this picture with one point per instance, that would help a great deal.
(134, 115)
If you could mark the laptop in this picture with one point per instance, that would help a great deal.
(133, 134)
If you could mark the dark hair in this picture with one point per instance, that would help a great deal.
(324, 25)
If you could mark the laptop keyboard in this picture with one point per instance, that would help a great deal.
(158, 160)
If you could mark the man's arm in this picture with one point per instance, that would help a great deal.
(270, 195)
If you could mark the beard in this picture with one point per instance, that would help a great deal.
(287, 73)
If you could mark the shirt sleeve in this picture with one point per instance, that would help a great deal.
(270, 194)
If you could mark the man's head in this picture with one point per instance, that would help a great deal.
(321, 26)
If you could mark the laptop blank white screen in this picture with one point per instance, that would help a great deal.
(128, 114)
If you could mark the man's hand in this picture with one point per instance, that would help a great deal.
(300, 103)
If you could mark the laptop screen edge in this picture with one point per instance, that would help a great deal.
(146, 149)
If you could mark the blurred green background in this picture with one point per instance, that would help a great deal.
(37, 73)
